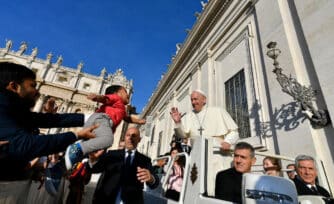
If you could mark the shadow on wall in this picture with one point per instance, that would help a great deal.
(288, 117)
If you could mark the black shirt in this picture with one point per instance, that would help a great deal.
(228, 185)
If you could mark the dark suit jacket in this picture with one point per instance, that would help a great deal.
(303, 189)
(228, 185)
(115, 177)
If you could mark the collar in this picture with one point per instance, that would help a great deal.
(236, 172)
(133, 151)
(310, 186)
(201, 111)
(307, 184)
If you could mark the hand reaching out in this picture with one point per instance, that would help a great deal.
(94, 156)
(3, 142)
(137, 120)
(176, 115)
(92, 97)
(141, 121)
(97, 98)
(50, 106)
(87, 133)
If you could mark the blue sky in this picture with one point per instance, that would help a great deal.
(137, 36)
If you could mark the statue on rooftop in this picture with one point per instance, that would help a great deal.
(79, 67)
(203, 4)
(48, 58)
(34, 52)
(59, 61)
(119, 78)
(22, 48)
(178, 47)
(9, 44)
(103, 72)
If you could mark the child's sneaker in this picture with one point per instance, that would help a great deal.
(53, 178)
(73, 155)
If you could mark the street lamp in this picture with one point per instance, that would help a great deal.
(301, 94)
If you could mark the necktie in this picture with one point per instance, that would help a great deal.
(128, 159)
(314, 189)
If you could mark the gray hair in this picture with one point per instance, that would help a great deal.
(245, 145)
(303, 157)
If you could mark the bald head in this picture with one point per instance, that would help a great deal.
(132, 138)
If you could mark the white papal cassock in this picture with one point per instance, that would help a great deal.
(216, 125)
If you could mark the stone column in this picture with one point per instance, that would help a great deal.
(211, 79)
(100, 85)
(39, 104)
(65, 106)
(47, 66)
(77, 81)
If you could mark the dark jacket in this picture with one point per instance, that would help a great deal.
(19, 126)
(116, 177)
(228, 185)
(303, 189)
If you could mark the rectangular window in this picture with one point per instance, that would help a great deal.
(152, 135)
(62, 79)
(159, 143)
(236, 102)
(86, 86)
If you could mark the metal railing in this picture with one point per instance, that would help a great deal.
(169, 169)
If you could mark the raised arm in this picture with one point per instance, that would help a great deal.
(46, 144)
(176, 116)
(134, 119)
(50, 106)
(93, 160)
(98, 98)
(100, 160)
(50, 120)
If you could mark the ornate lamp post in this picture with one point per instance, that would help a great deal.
(301, 94)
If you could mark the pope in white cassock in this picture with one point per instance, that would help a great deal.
(213, 123)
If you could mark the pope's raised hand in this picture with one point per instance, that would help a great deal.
(175, 114)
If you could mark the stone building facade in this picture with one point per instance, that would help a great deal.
(225, 55)
(69, 86)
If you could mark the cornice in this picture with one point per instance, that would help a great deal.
(204, 24)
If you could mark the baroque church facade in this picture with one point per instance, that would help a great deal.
(69, 86)
(269, 64)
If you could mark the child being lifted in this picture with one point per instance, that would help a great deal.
(108, 116)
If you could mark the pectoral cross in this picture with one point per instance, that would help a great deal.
(200, 130)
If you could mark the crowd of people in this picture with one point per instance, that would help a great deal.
(228, 182)
(76, 155)
(202, 121)
(23, 147)
(303, 173)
